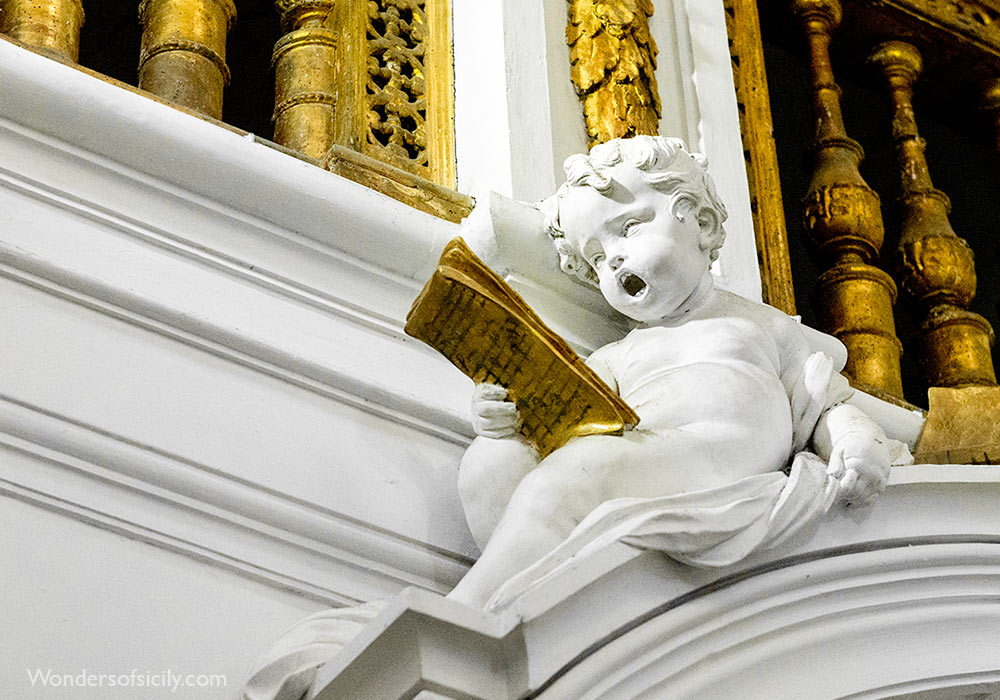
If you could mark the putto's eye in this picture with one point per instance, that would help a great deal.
(596, 261)
(630, 227)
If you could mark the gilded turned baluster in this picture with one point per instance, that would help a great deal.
(183, 56)
(305, 74)
(843, 223)
(50, 25)
(936, 271)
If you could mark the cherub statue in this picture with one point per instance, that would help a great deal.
(726, 388)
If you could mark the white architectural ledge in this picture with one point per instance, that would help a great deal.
(897, 600)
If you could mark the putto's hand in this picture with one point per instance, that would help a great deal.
(861, 464)
(492, 415)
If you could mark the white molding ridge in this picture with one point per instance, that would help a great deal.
(220, 164)
(149, 495)
(223, 341)
(836, 626)
(199, 250)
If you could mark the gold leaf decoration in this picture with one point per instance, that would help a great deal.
(613, 59)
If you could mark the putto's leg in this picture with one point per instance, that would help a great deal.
(487, 477)
(547, 504)
(568, 484)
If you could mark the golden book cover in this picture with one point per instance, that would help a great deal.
(476, 320)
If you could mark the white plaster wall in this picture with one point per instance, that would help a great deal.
(517, 117)
(695, 78)
(79, 599)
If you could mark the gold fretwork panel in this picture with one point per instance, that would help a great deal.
(395, 87)
(395, 99)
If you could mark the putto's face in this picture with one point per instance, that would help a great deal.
(649, 262)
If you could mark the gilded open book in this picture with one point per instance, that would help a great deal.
(474, 318)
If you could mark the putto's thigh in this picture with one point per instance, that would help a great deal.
(638, 464)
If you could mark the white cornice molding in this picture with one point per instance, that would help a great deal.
(106, 124)
(220, 281)
(147, 494)
(199, 236)
(220, 339)
(848, 625)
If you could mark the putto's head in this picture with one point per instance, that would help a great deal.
(665, 165)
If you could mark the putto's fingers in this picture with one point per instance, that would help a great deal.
(859, 489)
(507, 423)
(836, 466)
(489, 392)
(496, 409)
(849, 482)
(864, 489)
(497, 434)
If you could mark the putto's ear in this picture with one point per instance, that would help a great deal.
(708, 221)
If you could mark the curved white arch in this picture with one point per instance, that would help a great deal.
(871, 624)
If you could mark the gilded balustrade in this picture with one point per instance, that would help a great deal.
(843, 224)
(936, 271)
(52, 26)
(183, 55)
(305, 77)
(393, 117)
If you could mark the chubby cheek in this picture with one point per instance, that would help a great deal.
(609, 288)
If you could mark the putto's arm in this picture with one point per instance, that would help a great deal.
(510, 236)
(495, 462)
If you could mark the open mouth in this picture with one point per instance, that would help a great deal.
(632, 284)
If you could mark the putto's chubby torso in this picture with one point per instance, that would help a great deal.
(725, 372)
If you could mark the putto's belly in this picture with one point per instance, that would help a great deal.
(733, 401)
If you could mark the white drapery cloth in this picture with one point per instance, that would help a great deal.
(712, 528)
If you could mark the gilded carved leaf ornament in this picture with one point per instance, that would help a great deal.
(613, 58)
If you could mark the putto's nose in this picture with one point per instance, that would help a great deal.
(616, 261)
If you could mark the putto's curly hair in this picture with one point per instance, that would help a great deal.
(665, 164)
